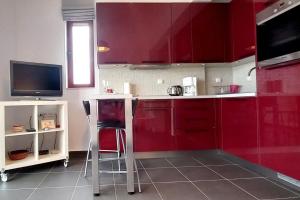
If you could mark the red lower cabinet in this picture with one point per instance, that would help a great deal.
(152, 126)
(194, 124)
(239, 128)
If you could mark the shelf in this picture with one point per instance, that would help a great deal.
(12, 164)
(51, 157)
(11, 134)
(51, 130)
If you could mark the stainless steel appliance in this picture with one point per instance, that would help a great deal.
(278, 34)
(175, 90)
(190, 86)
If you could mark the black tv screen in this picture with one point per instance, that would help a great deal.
(35, 79)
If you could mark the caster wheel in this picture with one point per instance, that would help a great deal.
(130, 193)
(4, 177)
(66, 163)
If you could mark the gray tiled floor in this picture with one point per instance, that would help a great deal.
(196, 176)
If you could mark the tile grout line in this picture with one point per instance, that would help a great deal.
(158, 192)
(283, 187)
(228, 180)
(74, 190)
(188, 179)
(43, 179)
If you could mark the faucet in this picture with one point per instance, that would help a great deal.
(249, 73)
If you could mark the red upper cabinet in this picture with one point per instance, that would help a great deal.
(209, 32)
(151, 24)
(113, 22)
(182, 44)
(135, 33)
(242, 29)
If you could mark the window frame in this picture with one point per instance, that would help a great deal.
(70, 68)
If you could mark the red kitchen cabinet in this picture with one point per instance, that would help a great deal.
(182, 44)
(152, 126)
(113, 22)
(239, 128)
(194, 124)
(242, 29)
(136, 33)
(151, 23)
(209, 32)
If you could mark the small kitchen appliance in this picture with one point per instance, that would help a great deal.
(175, 90)
(190, 86)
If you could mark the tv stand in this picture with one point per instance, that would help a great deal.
(58, 151)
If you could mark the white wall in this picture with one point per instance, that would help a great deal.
(7, 43)
(39, 35)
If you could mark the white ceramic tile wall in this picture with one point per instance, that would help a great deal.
(145, 81)
(239, 75)
(224, 72)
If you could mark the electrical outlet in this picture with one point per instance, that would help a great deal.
(160, 81)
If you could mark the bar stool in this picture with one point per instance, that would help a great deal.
(120, 128)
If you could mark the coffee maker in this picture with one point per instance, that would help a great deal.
(190, 86)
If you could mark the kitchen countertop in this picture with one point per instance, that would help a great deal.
(145, 97)
(237, 95)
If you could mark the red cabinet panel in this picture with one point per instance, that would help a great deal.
(152, 126)
(242, 31)
(136, 33)
(279, 114)
(182, 48)
(151, 23)
(194, 124)
(239, 128)
(113, 20)
(209, 32)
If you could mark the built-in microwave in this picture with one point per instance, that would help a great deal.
(278, 34)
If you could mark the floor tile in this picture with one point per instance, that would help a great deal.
(222, 190)
(121, 178)
(86, 193)
(263, 189)
(52, 193)
(233, 172)
(102, 166)
(155, 163)
(66, 179)
(199, 173)
(43, 168)
(105, 179)
(74, 166)
(179, 191)
(212, 160)
(23, 181)
(15, 194)
(148, 193)
(183, 161)
(165, 175)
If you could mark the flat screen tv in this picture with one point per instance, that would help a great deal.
(35, 79)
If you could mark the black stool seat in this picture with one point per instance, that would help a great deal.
(111, 124)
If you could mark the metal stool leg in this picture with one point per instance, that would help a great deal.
(118, 148)
(123, 143)
(137, 175)
(87, 158)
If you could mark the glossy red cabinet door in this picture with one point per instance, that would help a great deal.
(152, 126)
(151, 24)
(194, 124)
(242, 31)
(113, 22)
(209, 30)
(239, 128)
(182, 33)
(279, 114)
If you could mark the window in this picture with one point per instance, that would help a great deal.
(80, 53)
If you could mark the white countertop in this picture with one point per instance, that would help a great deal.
(122, 96)
(237, 95)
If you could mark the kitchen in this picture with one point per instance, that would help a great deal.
(255, 127)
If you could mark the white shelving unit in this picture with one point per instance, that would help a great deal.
(62, 151)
